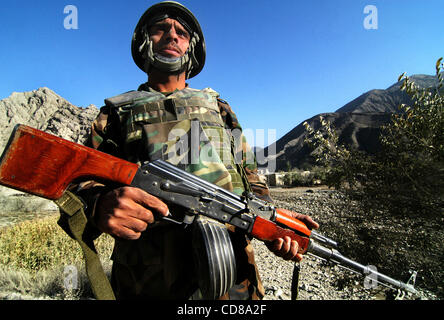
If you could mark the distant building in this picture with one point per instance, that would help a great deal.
(275, 179)
(263, 171)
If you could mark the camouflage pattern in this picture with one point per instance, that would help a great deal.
(184, 128)
(159, 264)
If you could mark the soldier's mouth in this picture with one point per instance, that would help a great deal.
(170, 51)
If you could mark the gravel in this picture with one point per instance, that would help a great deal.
(383, 241)
(395, 245)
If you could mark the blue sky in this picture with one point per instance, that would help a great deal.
(276, 62)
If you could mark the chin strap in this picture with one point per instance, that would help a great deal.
(73, 208)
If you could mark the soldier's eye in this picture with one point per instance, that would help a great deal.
(183, 33)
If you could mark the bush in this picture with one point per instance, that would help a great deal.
(305, 178)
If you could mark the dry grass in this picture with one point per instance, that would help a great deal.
(34, 256)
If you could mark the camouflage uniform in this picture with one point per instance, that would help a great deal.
(159, 264)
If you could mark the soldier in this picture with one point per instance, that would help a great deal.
(151, 259)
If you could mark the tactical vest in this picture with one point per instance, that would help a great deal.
(184, 128)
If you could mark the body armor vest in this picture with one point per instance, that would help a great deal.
(184, 128)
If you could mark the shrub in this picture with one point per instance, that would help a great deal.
(305, 178)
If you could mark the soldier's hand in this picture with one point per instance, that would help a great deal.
(285, 247)
(126, 212)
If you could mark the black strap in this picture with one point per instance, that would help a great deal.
(295, 281)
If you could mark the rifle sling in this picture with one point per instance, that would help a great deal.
(295, 281)
(77, 221)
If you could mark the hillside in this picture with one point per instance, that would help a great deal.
(357, 123)
(45, 110)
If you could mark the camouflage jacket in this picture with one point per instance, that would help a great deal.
(110, 134)
(117, 132)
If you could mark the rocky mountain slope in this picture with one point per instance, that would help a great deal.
(42, 109)
(45, 110)
(357, 123)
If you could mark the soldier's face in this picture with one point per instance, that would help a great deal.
(170, 39)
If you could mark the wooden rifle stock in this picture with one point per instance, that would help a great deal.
(266, 230)
(44, 165)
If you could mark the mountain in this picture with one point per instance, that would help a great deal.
(386, 100)
(42, 109)
(357, 124)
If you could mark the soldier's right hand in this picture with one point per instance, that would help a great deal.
(126, 212)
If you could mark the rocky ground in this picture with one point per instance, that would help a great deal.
(394, 246)
(368, 242)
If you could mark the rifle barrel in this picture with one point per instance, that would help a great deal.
(324, 240)
(335, 256)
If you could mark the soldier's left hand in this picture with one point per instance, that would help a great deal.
(287, 248)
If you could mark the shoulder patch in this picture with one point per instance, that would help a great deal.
(126, 98)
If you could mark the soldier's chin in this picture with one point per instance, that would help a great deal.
(169, 65)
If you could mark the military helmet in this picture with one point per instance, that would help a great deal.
(141, 47)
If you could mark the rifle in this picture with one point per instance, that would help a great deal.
(45, 165)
